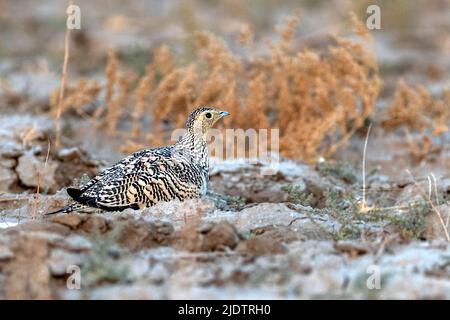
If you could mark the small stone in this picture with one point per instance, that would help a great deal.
(60, 260)
(50, 230)
(95, 224)
(69, 154)
(260, 247)
(158, 273)
(32, 170)
(251, 217)
(435, 227)
(137, 269)
(124, 292)
(9, 163)
(137, 234)
(208, 237)
(353, 248)
(51, 237)
(5, 253)
(223, 234)
(279, 233)
(10, 149)
(7, 179)
(77, 243)
(71, 220)
(28, 275)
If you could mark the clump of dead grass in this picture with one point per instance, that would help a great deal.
(316, 99)
(415, 109)
(77, 96)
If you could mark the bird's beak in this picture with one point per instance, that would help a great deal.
(223, 114)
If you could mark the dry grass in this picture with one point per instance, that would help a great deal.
(417, 110)
(77, 96)
(62, 88)
(142, 94)
(316, 99)
(37, 202)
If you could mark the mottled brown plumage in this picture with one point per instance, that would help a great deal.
(179, 171)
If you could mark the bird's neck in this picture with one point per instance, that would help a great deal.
(194, 145)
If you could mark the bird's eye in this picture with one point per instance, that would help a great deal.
(208, 115)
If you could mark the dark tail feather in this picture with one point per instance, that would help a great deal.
(74, 193)
(69, 208)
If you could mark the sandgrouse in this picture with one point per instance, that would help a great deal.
(179, 171)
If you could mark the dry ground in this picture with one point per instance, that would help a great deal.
(306, 231)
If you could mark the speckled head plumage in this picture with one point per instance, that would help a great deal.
(203, 118)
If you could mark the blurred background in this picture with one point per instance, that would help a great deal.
(413, 42)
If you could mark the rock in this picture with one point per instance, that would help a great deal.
(9, 163)
(234, 178)
(208, 237)
(443, 185)
(44, 227)
(435, 228)
(69, 154)
(27, 275)
(164, 232)
(266, 215)
(7, 179)
(60, 260)
(94, 224)
(51, 237)
(74, 165)
(137, 234)
(133, 233)
(279, 233)
(158, 273)
(64, 294)
(76, 242)
(31, 171)
(10, 148)
(260, 215)
(5, 253)
(260, 246)
(72, 220)
(254, 188)
(354, 248)
(237, 178)
(137, 268)
(179, 211)
(18, 130)
(36, 84)
(124, 292)
(223, 234)
(411, 194)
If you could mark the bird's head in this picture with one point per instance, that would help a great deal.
(201, 119)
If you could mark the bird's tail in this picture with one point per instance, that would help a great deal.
(69, 208)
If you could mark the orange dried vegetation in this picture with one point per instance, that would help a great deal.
(111, 70)
(316, 99)
(415, 109)
(76, 96)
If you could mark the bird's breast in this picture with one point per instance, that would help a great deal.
(204, 186)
